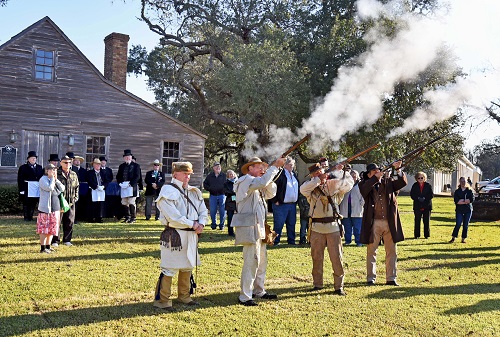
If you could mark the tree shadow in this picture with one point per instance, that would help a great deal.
(451, 256)
(89, 257)
(459, 265)
(39, 321)
(481, 306)
(466, 289)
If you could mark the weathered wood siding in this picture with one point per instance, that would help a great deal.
(81, 103)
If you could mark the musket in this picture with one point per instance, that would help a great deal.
(412, 155)
(290, 150)
(296, 145)
(348, 160)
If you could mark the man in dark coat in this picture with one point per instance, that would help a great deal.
(154, 181)
(214, 183)
(128, 177)
(30, 171)
(381, 219)
(107, 172)
(97, 183)
(81, 207)
(69, 179)
(285, 202)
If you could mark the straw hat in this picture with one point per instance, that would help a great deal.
(251, 161)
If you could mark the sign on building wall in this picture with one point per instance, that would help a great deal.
(8, 156)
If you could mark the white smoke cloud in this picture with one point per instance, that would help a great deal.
(356, 98)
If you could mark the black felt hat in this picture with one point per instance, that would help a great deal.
(127, 152)
(372, 166)
(54, 157)
(32, 154)
(71, 155)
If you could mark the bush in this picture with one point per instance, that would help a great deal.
(9, 200)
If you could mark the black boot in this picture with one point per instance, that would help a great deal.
(132, 213)
(127, 214)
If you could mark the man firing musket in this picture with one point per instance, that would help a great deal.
(324, 192)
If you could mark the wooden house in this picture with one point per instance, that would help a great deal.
(54, 100)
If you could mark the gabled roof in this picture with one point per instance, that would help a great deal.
(86, 60)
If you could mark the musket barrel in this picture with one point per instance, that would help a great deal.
(359, 154)
(296, 145)
(412, 155)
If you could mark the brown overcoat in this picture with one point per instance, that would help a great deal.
(367, 189)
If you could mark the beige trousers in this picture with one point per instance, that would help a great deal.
(253, 273)
(381, 231)
(333, 242)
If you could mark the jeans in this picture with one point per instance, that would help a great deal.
(285, 213)
(465, 218)
(352, 225)
(217, 204)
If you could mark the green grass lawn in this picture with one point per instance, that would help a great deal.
(103, 286)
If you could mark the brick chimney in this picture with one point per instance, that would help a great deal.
(115, 58)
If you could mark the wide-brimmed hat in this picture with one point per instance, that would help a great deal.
(127, 152)
(314, 168)
(96, 161)
(32, 154)
(54, 157)
(102, 158)
(156, 162)
(70, 154)
(251, 161)
(81, 159)
(182, 166)
(372, 166)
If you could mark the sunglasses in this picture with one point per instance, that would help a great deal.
(65, 162)
(420, 178)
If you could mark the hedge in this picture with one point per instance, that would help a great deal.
(9, 200)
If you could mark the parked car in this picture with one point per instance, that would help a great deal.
(481, 185)
(495, 192)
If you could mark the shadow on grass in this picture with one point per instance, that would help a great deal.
(467, 289)
(90, 257)
(481, 306)
(22, 324)
(459, 265)
(116, 256)
(452, 255)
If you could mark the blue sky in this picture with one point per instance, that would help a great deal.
(86, 23)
